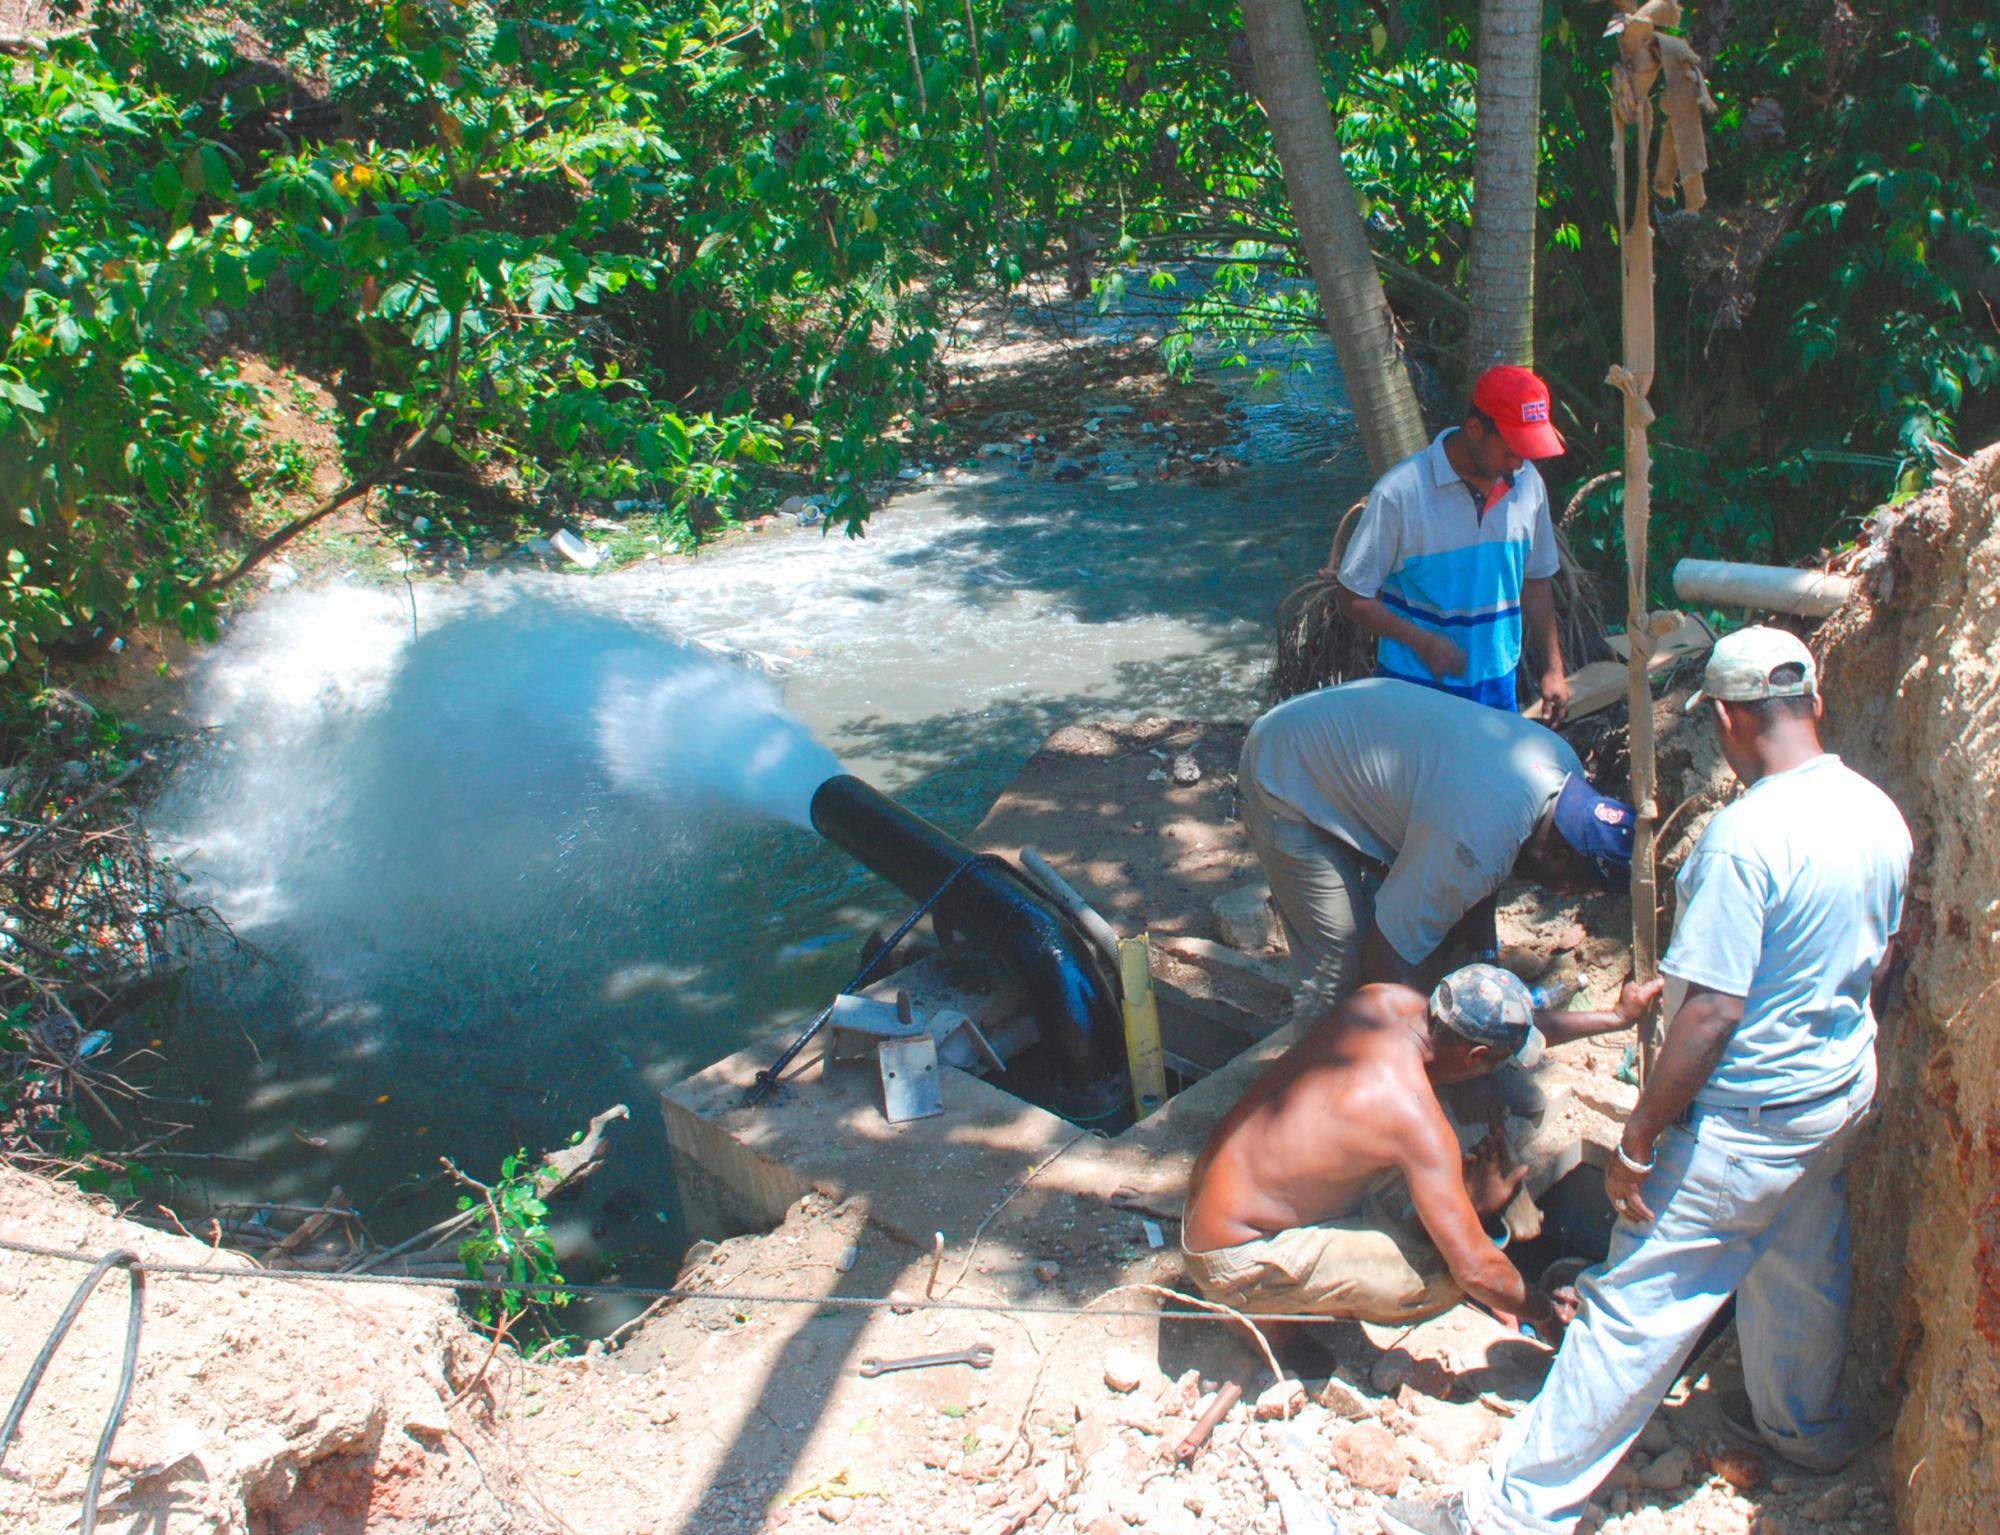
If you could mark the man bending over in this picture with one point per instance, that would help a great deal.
(1337, 1186)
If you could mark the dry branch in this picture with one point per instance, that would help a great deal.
(353, 490)
(89, 929)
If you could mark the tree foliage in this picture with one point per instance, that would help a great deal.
(655, 251)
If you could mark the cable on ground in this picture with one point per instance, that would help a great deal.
(655, 1292)
(135, 1271)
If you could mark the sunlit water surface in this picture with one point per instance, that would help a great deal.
(474, 909)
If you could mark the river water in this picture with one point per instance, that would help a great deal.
(459, 936)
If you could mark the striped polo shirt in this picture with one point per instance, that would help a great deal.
(1426, 547)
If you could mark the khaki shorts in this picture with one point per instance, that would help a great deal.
(1376, 1265)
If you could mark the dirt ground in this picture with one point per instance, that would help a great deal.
(263, 1406)
(268, 1407)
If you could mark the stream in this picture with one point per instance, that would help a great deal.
(459, 936)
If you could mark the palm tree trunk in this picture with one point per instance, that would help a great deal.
(1503, 210)
(1331, 230)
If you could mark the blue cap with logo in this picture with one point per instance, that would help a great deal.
(1490, 1006)
(1597, 826)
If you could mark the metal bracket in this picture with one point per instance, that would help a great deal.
(858, 1024)
(910, 1086)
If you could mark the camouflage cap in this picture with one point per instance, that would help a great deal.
(1490, 1006)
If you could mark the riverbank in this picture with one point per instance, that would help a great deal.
(391, 787)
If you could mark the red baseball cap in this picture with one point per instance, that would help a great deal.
(1518, 403)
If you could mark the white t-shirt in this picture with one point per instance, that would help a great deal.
(1442, 790)
(1789, 901)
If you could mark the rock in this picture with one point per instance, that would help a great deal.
(1389, 1372)
(1669, 1471)
(1184, 769)
(1048, 1271)
(899, 1302)
(1281, 1400)
(1125, 1370)
(848, 1257)
(426, 1419)
(1655, 1438)
(836, 1510)
(1092, 1434)
(1068, 469)
(791, 506)
(1835, 1503)
(1342, 1400)
(1245, 919)
(1368, 1456)
(1396, 1369)
(1964, 1424)
(1459, 1433)
(1741, 1469)
(574, 549)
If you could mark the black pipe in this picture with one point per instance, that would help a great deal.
(1072, 997)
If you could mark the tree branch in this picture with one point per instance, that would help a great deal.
(272, 542)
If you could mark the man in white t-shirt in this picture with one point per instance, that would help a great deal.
(1731, 1176)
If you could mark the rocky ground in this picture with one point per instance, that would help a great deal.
(269, 1407)
(263, 1406)
(272, 1407)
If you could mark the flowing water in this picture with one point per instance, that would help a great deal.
(506, 851)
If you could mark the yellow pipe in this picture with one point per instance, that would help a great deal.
(1142, 1025)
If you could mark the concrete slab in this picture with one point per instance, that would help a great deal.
(742, 1167)
(824, 1130)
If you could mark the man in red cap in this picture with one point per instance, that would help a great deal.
(1452, 559)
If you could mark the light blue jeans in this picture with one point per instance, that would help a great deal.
(1746, 1201)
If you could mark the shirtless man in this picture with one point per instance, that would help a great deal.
(1337, 1187)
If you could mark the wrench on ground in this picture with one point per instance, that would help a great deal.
(979, 1356)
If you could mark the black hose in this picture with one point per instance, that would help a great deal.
(1069, 990)
(129, 1261)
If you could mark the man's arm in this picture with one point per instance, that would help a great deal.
(1538, 610)
(1696, 1038)
(1560, 1026)
(1434, 1168)
(1436, 651)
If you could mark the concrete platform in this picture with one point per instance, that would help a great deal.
(740, 1167)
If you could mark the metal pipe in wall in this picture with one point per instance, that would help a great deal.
(1766, 588)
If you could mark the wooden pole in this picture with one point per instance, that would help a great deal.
(1634, 380)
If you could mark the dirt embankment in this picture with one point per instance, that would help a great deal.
(1913, 699)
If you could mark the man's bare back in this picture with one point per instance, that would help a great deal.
(1321, 1126)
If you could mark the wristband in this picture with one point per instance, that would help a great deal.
(1641, 1168)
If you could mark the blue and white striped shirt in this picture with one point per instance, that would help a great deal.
(1425, 547)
